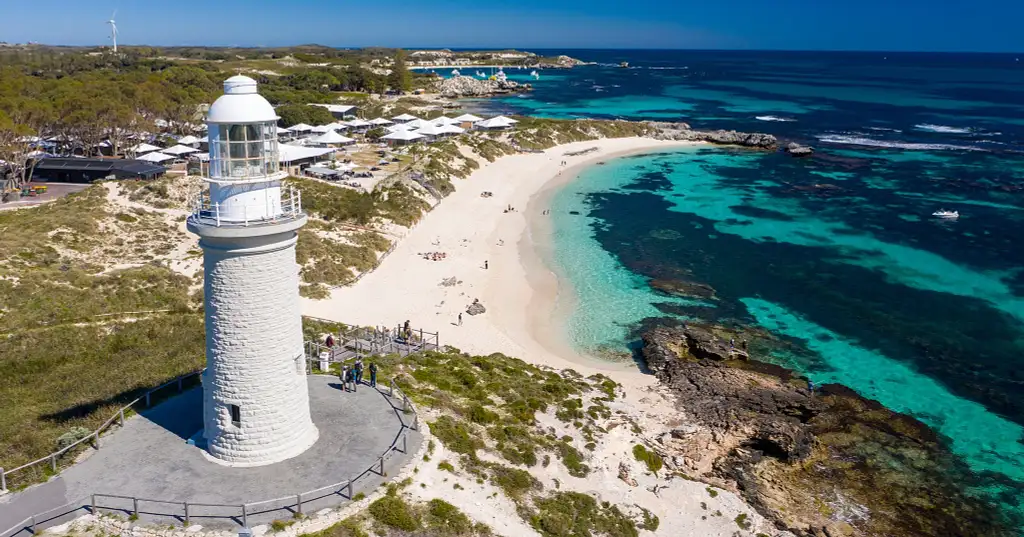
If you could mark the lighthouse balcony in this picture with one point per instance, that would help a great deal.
(234, 212)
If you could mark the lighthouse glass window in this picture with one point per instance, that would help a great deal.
(243, 151)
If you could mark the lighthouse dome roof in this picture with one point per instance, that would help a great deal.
(240, 103)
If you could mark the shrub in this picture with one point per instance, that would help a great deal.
(651, 521)
(446, 466)
(711, 492)
(741, 521)
(513, 481)
(455, 436)
(446, 519)
(650, 458)
(73, 435)
(571, 514)
(478, 414)
(393, 512)
(358, 496)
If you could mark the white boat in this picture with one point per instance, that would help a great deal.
(535, 75)
(455, 72)
(949, 215)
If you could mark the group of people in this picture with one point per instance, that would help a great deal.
(510, 209)
(434, 256)
(351, 377)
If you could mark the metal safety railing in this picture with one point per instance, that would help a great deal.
(187, 511)
(52, 461)
(207, 212)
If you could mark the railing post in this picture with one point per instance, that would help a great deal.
(121, 415)
(405, 447)
(216, 210)
(33, 525)
(298, 502)
(147, 399)
(92, 504)
(245, 517)
(180, 386)
(53, 462)
(97, 440)
(350, 489)
(381, 465)
(391, 388)
(405, 403)
(3, 481)
(245, 214)
(135, 507)
(187, 520)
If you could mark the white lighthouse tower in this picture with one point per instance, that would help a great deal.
(255, 396)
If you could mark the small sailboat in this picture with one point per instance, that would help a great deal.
(946, 214)
(481, 74)
(455, 72)
(535, 75)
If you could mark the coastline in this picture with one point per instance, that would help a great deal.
(520, 291)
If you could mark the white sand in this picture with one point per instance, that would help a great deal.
(517, 289)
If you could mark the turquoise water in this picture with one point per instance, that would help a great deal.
(695, 212)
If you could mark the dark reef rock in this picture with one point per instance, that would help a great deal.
(684, 289)
(798, 150)
(825, 463)
(682, 131)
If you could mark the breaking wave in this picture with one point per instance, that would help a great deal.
(773, 118)
(944, 129)
(871, 142)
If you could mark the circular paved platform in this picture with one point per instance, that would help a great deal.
(149, 458)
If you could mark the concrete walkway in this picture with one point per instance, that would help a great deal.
(149, 458)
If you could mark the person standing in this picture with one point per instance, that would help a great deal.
(330, 341)
(373, 374)
(485, 264)
(460, 318)
(359, 370)
(343, 376)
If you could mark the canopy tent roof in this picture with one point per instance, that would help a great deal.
(282, 130)
(494, 123)
(144, 148)
(404, 118)
(398, 127)
(418, 123)
(340, 125)
(204, 140)
(155, 157)
(403, 136)
(179, 150)
(451, 129)
(429, 130)
(331, 137)
(301, 127)
(323, 128)
(320, 170)
(201, 157)
(468, 118)
(444, 120)
(188, 140)
(380, 121)
(357, 123)
(291, 153)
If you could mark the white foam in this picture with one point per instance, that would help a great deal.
(773, 118)
(944, 129)
(884, 129)
(871, 142)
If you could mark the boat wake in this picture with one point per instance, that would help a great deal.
(892, 144)
(774, 118)
(944, 129)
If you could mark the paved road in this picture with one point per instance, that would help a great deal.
(149, 458)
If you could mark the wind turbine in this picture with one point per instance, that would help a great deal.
(113, 29)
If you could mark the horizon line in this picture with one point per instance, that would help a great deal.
(523, 49)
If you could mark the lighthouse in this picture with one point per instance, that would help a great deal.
(255, 395)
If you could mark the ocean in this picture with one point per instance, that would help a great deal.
(837, 255)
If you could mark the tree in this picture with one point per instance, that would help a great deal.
(293, 114)
(25, 118)
(400, 78)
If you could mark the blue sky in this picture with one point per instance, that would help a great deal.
(936, 25)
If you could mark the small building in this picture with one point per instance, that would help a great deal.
(87, 170)
(339, 111)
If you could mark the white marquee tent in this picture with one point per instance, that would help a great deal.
(331, 138)
(468, 118)
(155, 157)
(144, 148)
(180, 150)
(404, 117)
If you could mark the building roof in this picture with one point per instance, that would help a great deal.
(240, 103)
(444, 120)
(179, 150)
(398, 127)
(406, 136)
(331, 137)
(468, 117)
(145, 148)
(404, 117)
(451, 129)
(118, 167)
(301, 127)
(381, 121)
(291, 153)
(335, 108)
(495, 123)
(156, 156)
(188, 140)
(429, 130)
(418, 123)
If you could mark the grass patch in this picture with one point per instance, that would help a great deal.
(393, 512)
(651, 459)
(573, 514)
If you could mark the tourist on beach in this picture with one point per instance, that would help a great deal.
(343, 377)
(810, 386)
(460, 318)
(485, 265)
(373, 374)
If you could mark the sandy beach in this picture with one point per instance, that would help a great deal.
(519, 291)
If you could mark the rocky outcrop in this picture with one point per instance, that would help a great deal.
(798, 150)
(826, 463)
(476, 308)
(683, 132)
(467, 86)
(683, 289)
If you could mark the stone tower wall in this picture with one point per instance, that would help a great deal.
(254, 351)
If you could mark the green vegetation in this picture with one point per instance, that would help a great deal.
(394, 512)
(650, 458)
(293, 114)
(540, 133)
(741, 521)
(651, 521)
(573, 514)
(334, 204)
(400, 79)
(446, 466)
(712, 492)
(281, 525)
